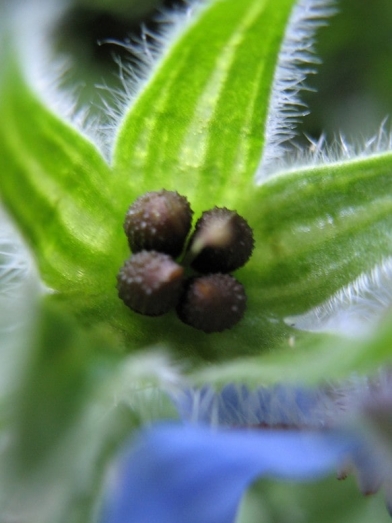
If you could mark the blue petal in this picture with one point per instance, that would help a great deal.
(192, 474)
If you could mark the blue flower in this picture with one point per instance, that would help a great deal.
(192, 474)
(197, 471)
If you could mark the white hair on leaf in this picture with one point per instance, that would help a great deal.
(19, 288)
(144, 384)
(17, 265)
(278, 406)
(296, 61)
(145, 55)
(33, 23)
(354, 309)
(321, 153)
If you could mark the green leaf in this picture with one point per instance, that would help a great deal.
(306, 358)
(322, 501)
(49, 420)
(71, 207)
(57, 186)
(317, 229)
(197, 127)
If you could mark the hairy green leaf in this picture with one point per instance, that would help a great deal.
(57, 187)
(319, 228)
(197, 127)
(307, 358)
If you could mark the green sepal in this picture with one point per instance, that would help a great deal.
(307, 358)
(57, 186)
(197, 126)
(317, 229)
(62, 367)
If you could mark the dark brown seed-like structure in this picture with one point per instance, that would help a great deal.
(150, 283)
(222, 241)
(158, 221)
(212, 303)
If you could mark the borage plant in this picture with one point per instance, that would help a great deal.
(217, 378)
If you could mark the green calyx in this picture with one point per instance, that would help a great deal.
(196, 130)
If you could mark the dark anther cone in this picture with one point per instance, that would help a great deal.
(150, 283)
(158, 221)
(222, 242)
(212, 303)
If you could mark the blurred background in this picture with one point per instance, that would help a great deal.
(354, 81)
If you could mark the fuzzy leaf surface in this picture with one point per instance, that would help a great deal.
(198, 130)
(70, 204)
(197, 127)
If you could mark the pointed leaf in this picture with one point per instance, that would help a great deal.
(317, 229)
(307, 358)
(197, 127)
(57, 186)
